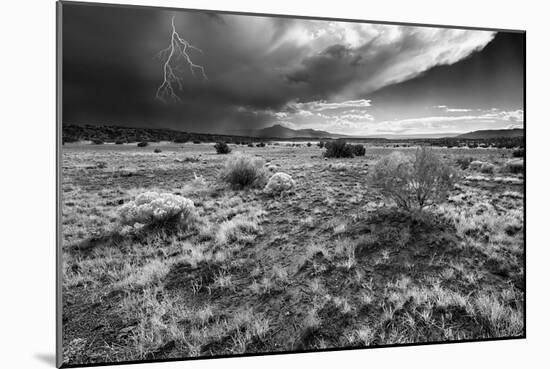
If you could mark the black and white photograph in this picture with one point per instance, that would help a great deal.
(236, 184)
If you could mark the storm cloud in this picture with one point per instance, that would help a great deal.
(261, 70)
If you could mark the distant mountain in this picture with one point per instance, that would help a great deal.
(279, 131)
(493, 133)
(414, 136)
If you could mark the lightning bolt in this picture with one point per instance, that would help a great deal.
(175, 53)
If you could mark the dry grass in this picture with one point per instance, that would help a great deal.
(333, 265)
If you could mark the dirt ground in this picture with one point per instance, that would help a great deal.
(331, 264)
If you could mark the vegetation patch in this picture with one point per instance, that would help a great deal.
(242, 172)
(222, 148)
(153, 207)
(414, 183)
(337, 264)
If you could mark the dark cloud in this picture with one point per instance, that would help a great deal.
(256, 66)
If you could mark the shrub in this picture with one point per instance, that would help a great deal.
(261, 144)
(359, 150)
(157, 150)
(242, 171)
(69, 139)
(97, 142)
(519, 153)
(250, 145)
(222, 148)
(119, 142)
(143, 144)
(180, 140)
(515, 166)
(196, 142)
(413, 184)
(487, 168)
(338, 149)
(154, 208)
(308, 144)
(271, 167)
(464, 162)
(321, 144)
(242, 228)
(475, 165)
(278, 183)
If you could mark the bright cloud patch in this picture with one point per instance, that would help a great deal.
(323, 105)
(362, 58)
(362, 122)
(344, 116)
(476, 119)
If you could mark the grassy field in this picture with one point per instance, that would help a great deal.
(332, 264)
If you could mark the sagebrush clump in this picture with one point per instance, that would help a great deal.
(153, 208)
(464, 162)
(242, 172)
(519, 153)
(359, 150)
(222, 148)
(515, 166)
(338, 149)
(279, 183)
(487, 168)
(413, 183)
(475, 165)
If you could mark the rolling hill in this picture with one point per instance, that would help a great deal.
(493, 133)
(279, 131)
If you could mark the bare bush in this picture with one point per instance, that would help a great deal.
(413, 183)
(242, 172)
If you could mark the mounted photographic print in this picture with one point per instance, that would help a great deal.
(244, 184)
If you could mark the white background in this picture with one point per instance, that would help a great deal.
(27, 199)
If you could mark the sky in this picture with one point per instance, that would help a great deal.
(349, 78)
